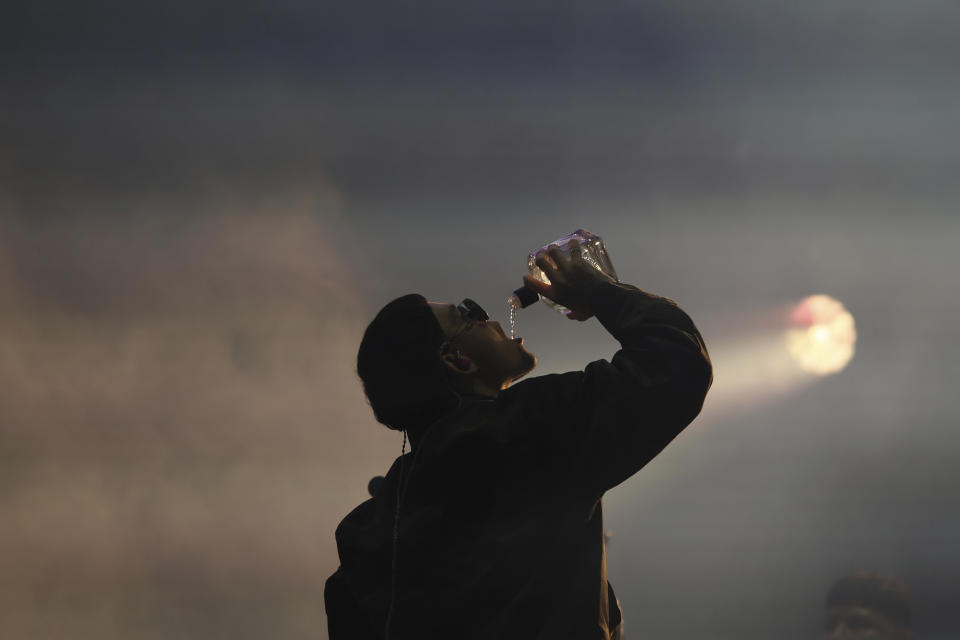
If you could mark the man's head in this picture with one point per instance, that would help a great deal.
(416, 356)
(867, 605)
(477, 355)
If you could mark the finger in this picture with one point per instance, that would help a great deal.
(539, 286)
(547, 264)
(556, 254)
(544, 254)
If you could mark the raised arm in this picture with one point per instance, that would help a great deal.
(606, 422)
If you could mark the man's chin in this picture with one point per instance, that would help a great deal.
(529, 364)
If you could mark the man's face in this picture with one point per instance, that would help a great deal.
(860, 623)
(499, 359)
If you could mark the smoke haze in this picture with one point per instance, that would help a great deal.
(203, 204)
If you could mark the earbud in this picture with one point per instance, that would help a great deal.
(463, 363)
(375, 485)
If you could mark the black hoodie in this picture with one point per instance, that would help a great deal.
(501, 526)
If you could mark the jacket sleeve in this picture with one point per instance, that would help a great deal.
(602, 424)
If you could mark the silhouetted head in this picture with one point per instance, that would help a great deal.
(417, 356)
(867, 606)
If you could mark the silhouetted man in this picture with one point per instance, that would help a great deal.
(492, 526)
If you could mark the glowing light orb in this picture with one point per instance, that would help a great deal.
(822, 335)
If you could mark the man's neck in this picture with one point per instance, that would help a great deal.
(483, 389)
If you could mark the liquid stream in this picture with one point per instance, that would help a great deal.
(513, 304)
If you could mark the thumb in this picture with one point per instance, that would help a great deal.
(540, 287)
(578, 315)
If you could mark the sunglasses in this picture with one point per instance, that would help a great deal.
(471, 313)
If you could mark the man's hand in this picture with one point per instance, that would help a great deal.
(572, 279)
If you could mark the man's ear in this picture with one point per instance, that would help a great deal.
(460, 365)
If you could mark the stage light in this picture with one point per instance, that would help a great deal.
(822, 335)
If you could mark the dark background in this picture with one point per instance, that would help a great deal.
(202, 204)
